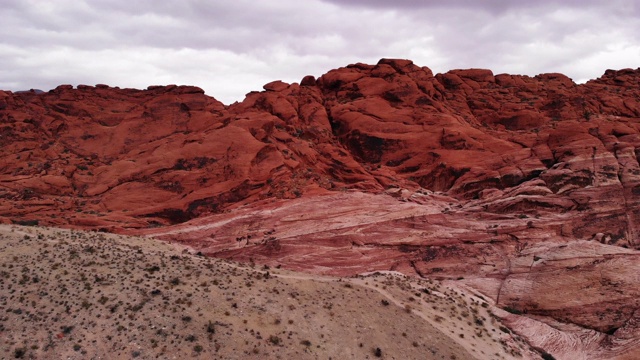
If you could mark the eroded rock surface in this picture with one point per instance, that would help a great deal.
(526, 189)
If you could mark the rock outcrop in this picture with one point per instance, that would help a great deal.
(526, 189)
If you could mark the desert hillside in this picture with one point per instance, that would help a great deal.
(522, 190)
(86, 295)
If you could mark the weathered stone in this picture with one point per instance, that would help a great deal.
(527, 188)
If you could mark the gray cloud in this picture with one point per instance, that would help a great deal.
(231, 48)
(622, 7)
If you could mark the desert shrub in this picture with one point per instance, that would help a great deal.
(153, 269)
(547, 356)
(505, 329)
(210, 327)
(275, 340)
(26, 223)
(19, 353)
(66, 329)
(512, 310)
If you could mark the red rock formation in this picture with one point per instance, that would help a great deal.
(528, 188)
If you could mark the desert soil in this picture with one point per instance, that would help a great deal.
(68, 294)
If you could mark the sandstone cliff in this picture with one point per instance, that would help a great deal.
(525, 189)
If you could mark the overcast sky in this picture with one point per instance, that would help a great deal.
(229, 48)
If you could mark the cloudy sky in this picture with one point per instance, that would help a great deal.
(229, 48)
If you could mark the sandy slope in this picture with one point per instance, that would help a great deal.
(78, 295)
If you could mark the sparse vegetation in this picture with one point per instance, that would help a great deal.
(19, 353)
(377, 352)
(210, 328)
(275, 340)
(136, 291)
(512, 310)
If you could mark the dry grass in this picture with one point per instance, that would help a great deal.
(78, 295)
